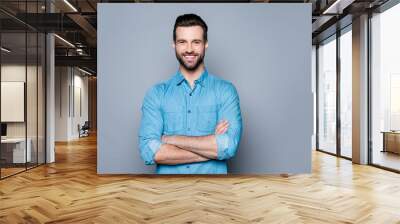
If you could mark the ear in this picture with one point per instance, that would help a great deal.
(173, 45)
(206, 45)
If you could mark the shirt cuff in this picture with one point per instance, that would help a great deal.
(154, 146)
(222, 145)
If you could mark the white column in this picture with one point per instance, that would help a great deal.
(50, 110)
(360, 90)
(50, 91)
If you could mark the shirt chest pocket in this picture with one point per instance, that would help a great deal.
(206, 118)
(173, 121)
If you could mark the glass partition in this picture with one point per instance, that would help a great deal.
(32, 95)
(13, 110)
(22, 88)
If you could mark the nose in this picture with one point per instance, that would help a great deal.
(189, 48)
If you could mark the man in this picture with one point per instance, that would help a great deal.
(191, 123)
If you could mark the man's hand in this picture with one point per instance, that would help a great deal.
(164, 139)
(221, 127)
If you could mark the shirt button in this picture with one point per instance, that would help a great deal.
(189, 111)
(187, 166)
(190, 94)
(188, 129)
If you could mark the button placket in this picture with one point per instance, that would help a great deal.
(189, 111)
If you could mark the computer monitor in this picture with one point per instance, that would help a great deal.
(3, 129)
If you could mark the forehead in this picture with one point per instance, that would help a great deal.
(189, 32)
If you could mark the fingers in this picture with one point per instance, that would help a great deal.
(164, 139)
(222, 127)
(223, 130)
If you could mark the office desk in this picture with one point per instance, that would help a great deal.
(13, 150)
(391, 141)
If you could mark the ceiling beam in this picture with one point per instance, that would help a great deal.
(86, 26)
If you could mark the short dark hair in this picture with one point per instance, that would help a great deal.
(190, 20)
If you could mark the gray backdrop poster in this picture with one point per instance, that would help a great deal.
(263, 49)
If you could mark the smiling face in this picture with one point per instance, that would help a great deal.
(190, 46)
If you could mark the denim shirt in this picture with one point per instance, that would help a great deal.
(174, 108)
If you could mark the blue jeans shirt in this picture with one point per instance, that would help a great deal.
(174, 108)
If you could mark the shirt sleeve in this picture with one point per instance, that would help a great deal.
(151, 126)
(228, 142)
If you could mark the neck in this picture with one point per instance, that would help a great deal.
(191, 76)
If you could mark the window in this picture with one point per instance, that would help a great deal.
(346, 92)
(385, 88)
(327, 95)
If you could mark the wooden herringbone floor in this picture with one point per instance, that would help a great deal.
(70, 191)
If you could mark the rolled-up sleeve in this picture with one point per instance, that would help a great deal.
(228, 142)
(151, 126)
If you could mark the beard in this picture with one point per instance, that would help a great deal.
(200, 59)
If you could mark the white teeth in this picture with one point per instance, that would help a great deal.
(190, 57)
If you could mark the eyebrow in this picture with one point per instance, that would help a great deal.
(185, 40)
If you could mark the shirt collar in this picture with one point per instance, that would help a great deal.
(180, 78)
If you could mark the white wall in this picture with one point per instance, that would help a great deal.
(79, 117)
(10, 73)
(62, 81)
(70, 83)
(16, 72)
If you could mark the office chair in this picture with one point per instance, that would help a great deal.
(84, 130)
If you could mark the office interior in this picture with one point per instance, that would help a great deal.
(28, 56)
(49, 72)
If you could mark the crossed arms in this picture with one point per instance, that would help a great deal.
(179, 149)
(189, 149)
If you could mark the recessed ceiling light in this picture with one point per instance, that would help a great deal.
(5, 50)
(70, 5)
(84, 71)
(338, 6)
(64, 40)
